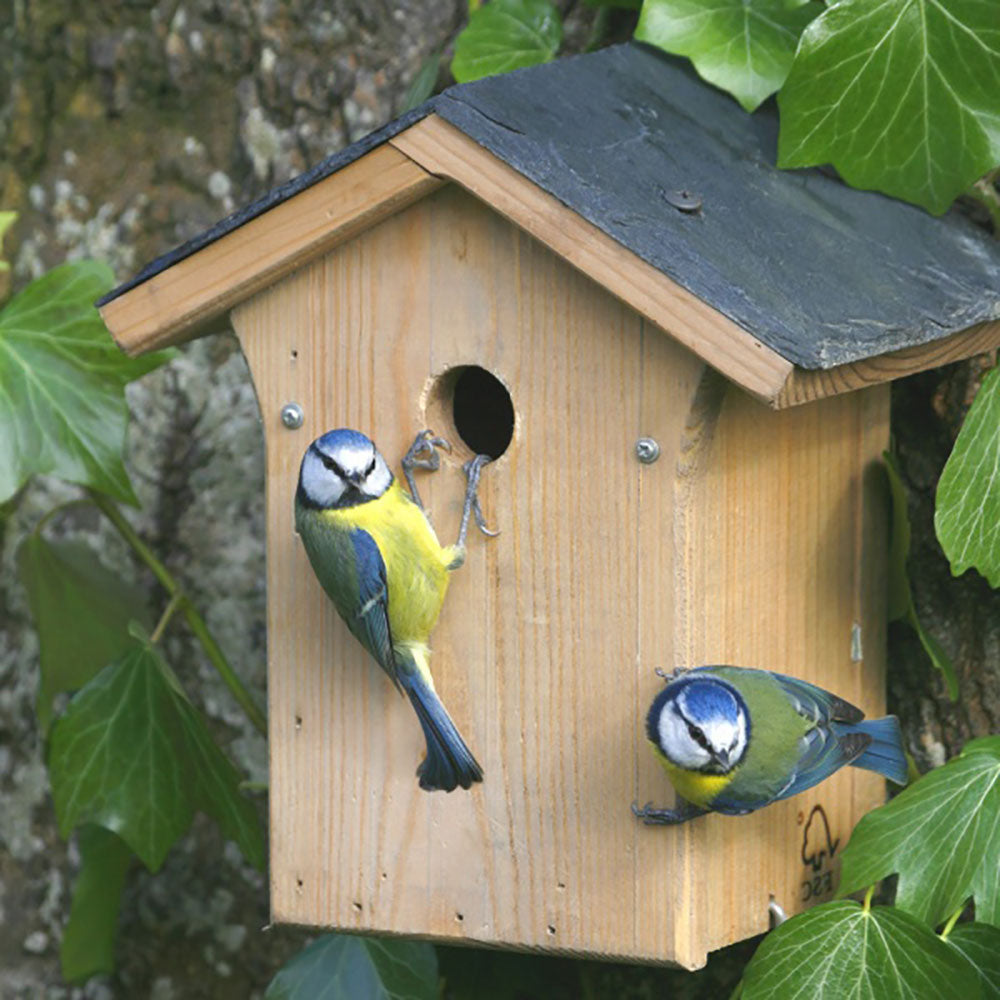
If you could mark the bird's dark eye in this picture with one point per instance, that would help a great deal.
(332, 465)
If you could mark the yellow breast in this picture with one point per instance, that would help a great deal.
(415, 561)
(699, 789)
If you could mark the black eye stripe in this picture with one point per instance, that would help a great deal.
(698, 736)
(371, 467)
(331, 465)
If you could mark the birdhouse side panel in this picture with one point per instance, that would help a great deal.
(780, 527)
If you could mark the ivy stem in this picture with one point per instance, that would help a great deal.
(868, 898)
(985, 193)
(60, 509)
(194, 620)
(952, 920)
(168, 613)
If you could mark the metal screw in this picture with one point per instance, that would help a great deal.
(683, 201)
(647, 450)
(292, 416)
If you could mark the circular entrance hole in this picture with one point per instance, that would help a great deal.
(477, 405)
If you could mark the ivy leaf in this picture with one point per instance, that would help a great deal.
(980, 944)
(88, 943)
(900, 597)
(422, 85)
(62, 406)
(340, 965)
(81, 611)
(744, 47)
(7, 219)
(842, 950)
(967, 505)
(132, 754)
(506, 35)
(899, 95)
(942, 835)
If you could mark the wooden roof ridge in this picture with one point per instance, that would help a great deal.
(789, 282)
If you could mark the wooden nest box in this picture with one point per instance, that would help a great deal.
(551, 266)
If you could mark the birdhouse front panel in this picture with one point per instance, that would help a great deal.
(755, 538)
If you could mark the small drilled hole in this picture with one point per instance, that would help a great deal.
(295, 354)
(459, 917)
(551, 929)
(477, 406)
(357, 906)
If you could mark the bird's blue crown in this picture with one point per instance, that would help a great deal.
(702, 700)
(343, 437)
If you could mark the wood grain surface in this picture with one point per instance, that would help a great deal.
(194, 296)
(755, 539)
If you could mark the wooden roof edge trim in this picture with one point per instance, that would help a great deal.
(445, 151)
(194, 296)
(803, 386)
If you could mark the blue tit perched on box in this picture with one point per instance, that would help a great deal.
(378, 559)
(735, 739)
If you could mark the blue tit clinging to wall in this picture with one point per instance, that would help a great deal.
(734, 739)
(377, 557)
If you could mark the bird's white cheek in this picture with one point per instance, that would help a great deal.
(320, 485)
(380, 479)
(677, 744)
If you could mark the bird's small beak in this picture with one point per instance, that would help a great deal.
(722, 756)
(355, 478)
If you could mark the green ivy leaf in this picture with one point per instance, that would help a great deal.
(840, 951)
(744, 47)
(899, 95)
(900, 597)
(980, 944)
(340, 965)
(132, 754)
(505, 35)
(62, 408)
(81, 611)
(967, 505)
(7, 219)
(942, 835)
(88, 943)
(422, 85)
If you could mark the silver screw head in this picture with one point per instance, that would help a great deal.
(647, 450)
(292, 416)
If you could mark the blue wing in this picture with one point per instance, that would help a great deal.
(825, 750)
(370, 620)
(814, 703)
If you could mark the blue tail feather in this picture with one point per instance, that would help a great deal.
(449, 762)
(885, 753)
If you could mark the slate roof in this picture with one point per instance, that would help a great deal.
(821, 273)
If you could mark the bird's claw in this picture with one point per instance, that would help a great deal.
(666, 676)
(473, 469)
(423, 454)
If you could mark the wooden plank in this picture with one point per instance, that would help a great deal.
(445, 151)
(741, 544)
(196, 294)
(521, 656)
(803, 386)
(778, 522)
